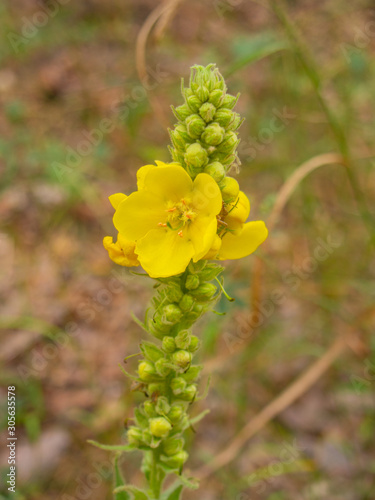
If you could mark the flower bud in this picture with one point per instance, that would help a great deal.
(195, 156)
(140, 418)
(224, 117)
(181, 112)
(195, 267)
(176, 461)
(210, 272)
(230, 101)
(135, 436)
(180, 137)
(207, 111)
(172, 313)
(216, 97)
(216, 170)
(230, 190)
(205, 291)
(162, 406)
(157, 389)
(162, 367)
(194, 343)
(194, 126)
(173, 292)
(229, 143)
(192, 282)
(159, 427)
(147, 437)
(171, 446)
(202, 93)
(213, 134)
(169, 344)
(192, 373)
(176, 412)
(149, 408)
(189, 393)
(235, 124)
(147, 372)
(182, 358)
(151, 351)
(194, 103)
(186, 303)
(178, 384)
(183, 339)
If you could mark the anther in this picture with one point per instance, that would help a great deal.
(162, 224)
(180, 233)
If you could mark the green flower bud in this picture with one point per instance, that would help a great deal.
(176, 412)
(186, 303)
(176, 461)
(169, 344)
(204, 292)
(192, 373)
(178, 384)
(216, 97)
(195, 267)
(194, 343)
(171, 446)
(172, 313)
(225, 117)
(162, 367)
(202, 93)
(216, 170)
(181, 112)
(147, 372)
(157, 389)
(234, 125)
(207, 111)
(151, 351)
(183, 339)
(230, 101)
(162, 406)
(195, 126)
(194, 103)
(173, 292)
(189, 393)
(192, 282)
(213, 134)
(141, 420)
(230, 190)
(182, 358)
(147, 437)
(135, 436)
(149, 409)
(180, 137)
(195, 157)
(159, 427)
(229, 143)
(210, 272)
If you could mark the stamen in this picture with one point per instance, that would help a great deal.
(171, 209)
(162, 224)
(180, 233)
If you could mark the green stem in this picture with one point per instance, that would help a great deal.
(154, 483)
(311, 71)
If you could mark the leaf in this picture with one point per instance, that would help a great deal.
(137, 493)
(174, 492)
(111, 447)
(251, 49)
(119, 481)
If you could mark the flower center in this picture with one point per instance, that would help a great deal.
(178, 215)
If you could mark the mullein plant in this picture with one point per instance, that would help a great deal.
(184, 216)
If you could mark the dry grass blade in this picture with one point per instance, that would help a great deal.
(286, 398)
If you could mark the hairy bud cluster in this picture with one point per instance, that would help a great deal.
(166, 373)
(205, 137)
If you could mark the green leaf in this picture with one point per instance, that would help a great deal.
(119, 481)
(174, 492)
(137, 493)
(111, 447)
(250, 49)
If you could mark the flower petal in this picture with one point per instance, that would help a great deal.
(162, 253)
(238, 246)
(207, 198)
(121, 252)
(238, 212)
(116, 199)
(202, 233)
(141, 174)
(171, 182)
(139, 213)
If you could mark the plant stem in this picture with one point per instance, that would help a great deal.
(154, 484)
(311, 70)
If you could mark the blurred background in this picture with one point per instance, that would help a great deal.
(85, 92)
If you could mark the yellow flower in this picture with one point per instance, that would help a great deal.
(170, 219)
(239, 239)
(122, 252)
